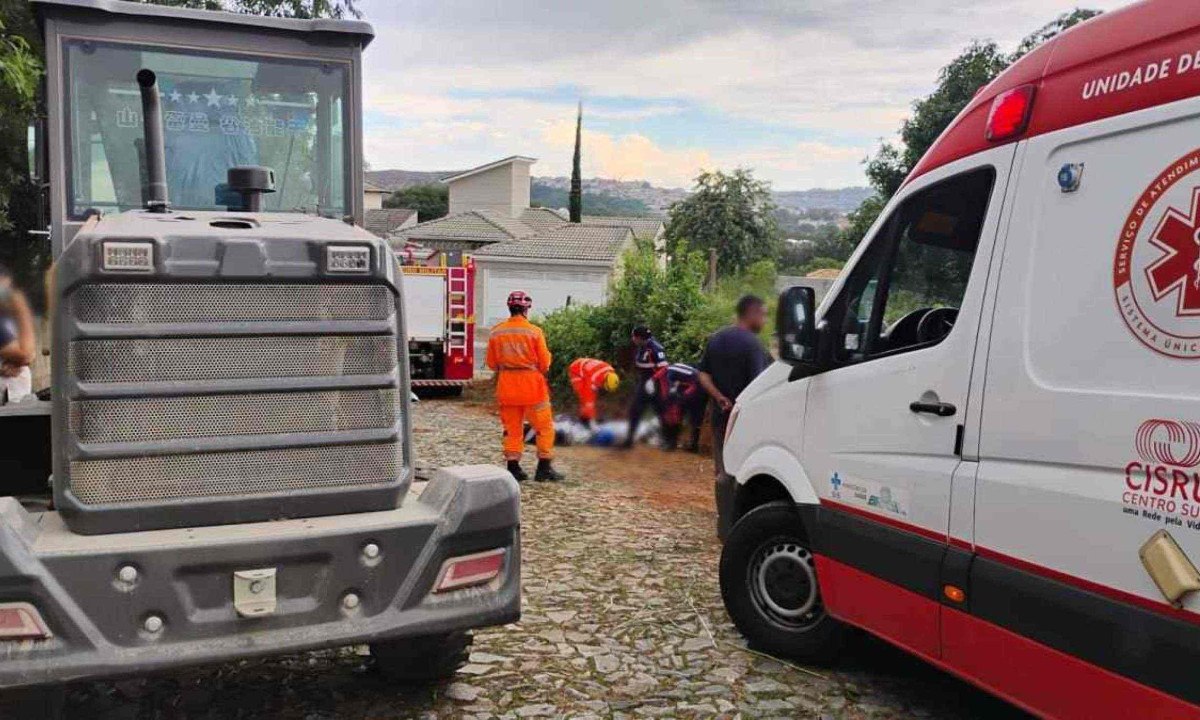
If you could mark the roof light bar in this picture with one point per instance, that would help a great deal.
(1009, 116)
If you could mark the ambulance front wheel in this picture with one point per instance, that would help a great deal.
(770, 588)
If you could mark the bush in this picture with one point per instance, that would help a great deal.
(669, 299)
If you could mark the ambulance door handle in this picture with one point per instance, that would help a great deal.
(940, 409)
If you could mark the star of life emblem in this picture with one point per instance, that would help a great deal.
(1156, 270)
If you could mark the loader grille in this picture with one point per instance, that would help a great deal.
(216, 358)
(170, 477)
(153, 303)
(194, 391)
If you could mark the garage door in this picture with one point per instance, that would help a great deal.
(550, 289)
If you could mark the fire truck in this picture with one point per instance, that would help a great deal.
(229, 423)
(439, 302)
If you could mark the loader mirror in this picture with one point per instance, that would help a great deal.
(795, 322)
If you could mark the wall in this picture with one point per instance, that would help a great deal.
(373, 200)
(488, 190)
(520, 187)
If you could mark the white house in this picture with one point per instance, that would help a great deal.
(517, 247)
(501, 186)
(373, 196)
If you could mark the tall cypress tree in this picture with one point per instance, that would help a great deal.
(576, 198)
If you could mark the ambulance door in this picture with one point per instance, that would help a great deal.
(882, 423)
(1090, 434)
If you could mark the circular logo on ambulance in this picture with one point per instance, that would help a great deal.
(1156, 272)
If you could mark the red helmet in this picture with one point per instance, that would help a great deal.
(519, 299)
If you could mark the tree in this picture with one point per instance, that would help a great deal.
(978, 65)
(957, 84)
(430, 201)
(1054, 27)
(303, 9)
(732, 213)
(575, 207)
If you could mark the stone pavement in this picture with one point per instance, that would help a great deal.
(622, 619)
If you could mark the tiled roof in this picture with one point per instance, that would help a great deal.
(643, 228)
(482, 226)
(589, 243)
(384, 222)
(542, 218)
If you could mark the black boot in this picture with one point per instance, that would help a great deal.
(514, 467)
(547, 473)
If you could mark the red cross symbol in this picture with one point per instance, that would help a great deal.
(1178, 236)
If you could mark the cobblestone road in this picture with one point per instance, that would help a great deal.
(622, 618)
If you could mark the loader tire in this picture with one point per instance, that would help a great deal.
(770, 588)
(422, 660)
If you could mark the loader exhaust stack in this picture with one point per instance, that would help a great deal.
(154, 151)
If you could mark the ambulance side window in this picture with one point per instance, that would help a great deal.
(905, 292)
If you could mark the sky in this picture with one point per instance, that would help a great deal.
(801, 91)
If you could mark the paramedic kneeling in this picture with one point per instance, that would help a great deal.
(18, 343)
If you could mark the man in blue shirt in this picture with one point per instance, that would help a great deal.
(649, 357)
(733, 357)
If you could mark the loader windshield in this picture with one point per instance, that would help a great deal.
(219, 110)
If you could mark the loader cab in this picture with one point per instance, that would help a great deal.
(272, 97)
(236, 90)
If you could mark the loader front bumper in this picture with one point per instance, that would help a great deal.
(99, 612)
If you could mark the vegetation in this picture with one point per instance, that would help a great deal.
(958, 82)
(575, 200)
(732, 213)
(303, 9)
(668, 298)
(430, 201)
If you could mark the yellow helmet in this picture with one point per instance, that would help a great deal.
(611, 382)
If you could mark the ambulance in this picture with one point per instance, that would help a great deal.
(983, 446)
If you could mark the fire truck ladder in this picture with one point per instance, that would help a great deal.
(456, 309)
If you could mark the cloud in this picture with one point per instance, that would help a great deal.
(452, 79)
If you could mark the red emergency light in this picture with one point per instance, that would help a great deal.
(1010, 113)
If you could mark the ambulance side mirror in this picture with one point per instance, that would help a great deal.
(796, 325)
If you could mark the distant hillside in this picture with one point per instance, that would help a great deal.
(842, 199)
(603, 196)
(593, 203)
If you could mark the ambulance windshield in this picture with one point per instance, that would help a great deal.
(219, 110)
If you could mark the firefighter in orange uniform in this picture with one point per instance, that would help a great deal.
(588, 376)
(518, 354)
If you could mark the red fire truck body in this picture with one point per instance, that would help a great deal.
(439, 292)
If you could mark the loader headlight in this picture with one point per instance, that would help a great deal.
(348, 259)
(127, 257)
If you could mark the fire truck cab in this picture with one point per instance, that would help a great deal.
(984, 445)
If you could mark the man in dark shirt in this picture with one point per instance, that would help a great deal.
(647, 359)
(732, 358)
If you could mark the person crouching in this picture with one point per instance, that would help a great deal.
(589, 377)
(680, 397)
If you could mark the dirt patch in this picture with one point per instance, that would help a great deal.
(669, 480)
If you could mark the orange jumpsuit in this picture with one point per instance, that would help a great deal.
(517, 352)
(587, 376)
